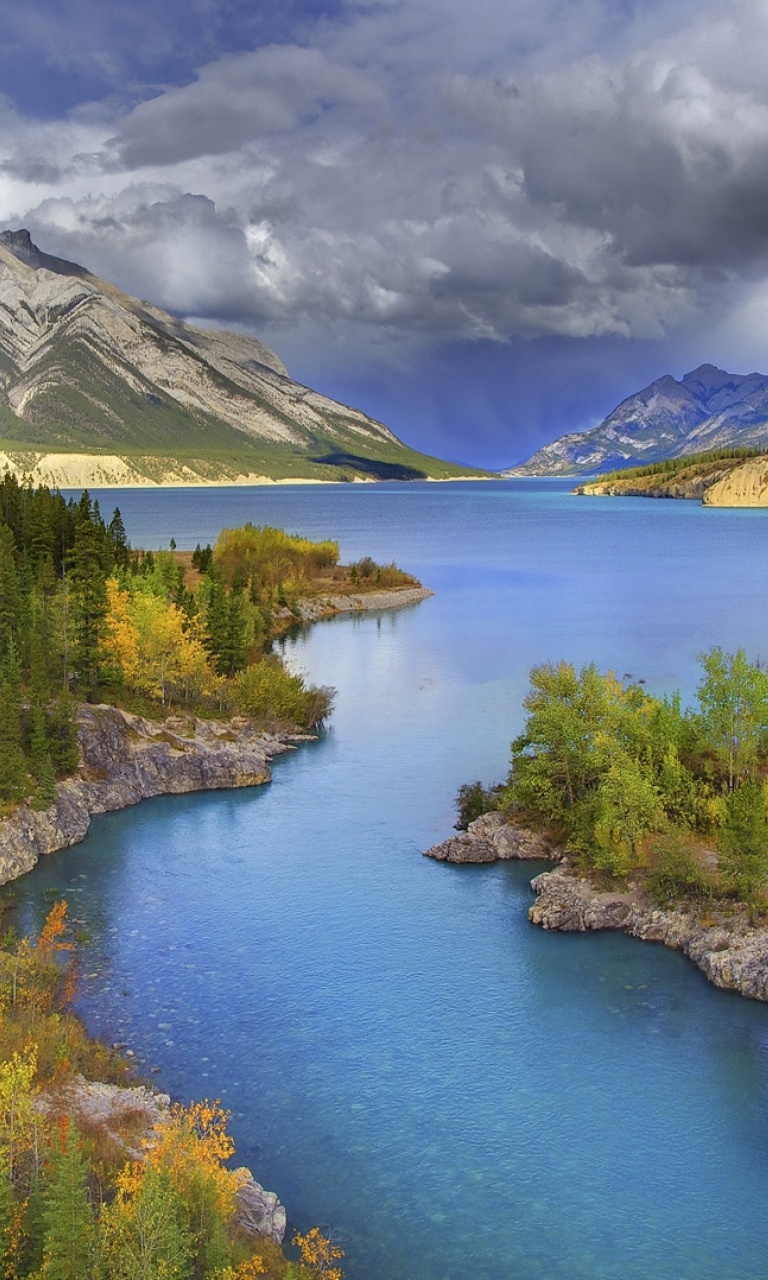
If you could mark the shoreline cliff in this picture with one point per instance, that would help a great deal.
(127, 758)
(731, 952)
(733, 482)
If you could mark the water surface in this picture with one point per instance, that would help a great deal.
(408, 1061)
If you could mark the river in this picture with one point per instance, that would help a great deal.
(408, 1062)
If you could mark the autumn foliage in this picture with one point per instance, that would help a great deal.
(73, 1204)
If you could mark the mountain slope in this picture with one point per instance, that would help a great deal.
(85, 368)
(707, 409)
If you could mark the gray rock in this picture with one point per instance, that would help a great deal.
(127, 758)
(259, 1212)
(492, 838)
(731, 953)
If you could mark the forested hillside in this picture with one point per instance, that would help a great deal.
(83, 616)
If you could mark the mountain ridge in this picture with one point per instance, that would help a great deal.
(87, 369)
(708, 408)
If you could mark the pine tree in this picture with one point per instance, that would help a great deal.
(13, 766)
(40, 756)
(10, 591)
(121, 549)
(88, 603)
(62, 737)
(68, 1218)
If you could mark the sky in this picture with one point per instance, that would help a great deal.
(483, 223)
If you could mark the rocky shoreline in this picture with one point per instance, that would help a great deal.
(732, 953)
(357, 602)
(106, 1107)
(126, 758)
(730, 483)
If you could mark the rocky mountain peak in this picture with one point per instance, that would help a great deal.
(88, 370)
(707, 409)
(22, 246)
(708, 381)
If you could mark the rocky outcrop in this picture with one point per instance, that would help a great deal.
(125, 759)
(693, 484)
(732, 953)
(491, 838)
(729, 483)
(117, 1111)
(744, 486)
(259, 1212)
(726, 947)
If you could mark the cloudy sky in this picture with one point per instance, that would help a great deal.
(484, 223)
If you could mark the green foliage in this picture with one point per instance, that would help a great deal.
(276, 698)
(743, 841)
(628, 805)
(473, 799)
(606, 767)
(69, 1250)
(150, 1239)
(733, 703)
(675, 874)
(575, 724)
(202, 558)
(13, 765)
(62, 736)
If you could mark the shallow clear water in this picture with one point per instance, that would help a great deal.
(409, 1061)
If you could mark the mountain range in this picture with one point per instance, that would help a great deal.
(138, 396)
(706, 409)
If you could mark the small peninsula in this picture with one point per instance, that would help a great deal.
(126, 675)
(656, 816)
(725, 478)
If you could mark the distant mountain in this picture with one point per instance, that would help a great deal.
(707, 409)
(87, 370)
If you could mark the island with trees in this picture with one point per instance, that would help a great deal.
(656, 813)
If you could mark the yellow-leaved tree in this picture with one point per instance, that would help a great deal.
(150, 647)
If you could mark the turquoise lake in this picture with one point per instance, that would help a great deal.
(409, 1062)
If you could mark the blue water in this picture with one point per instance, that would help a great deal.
(456, 1093)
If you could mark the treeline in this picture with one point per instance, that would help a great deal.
(74, 1204)
(637, 784)
(280, 567)
(671, 466)
(84, 616)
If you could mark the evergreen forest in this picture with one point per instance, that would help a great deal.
(83, 616)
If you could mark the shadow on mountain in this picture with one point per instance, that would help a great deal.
(373, 467)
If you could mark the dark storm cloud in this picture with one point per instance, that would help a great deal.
(239, 99)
